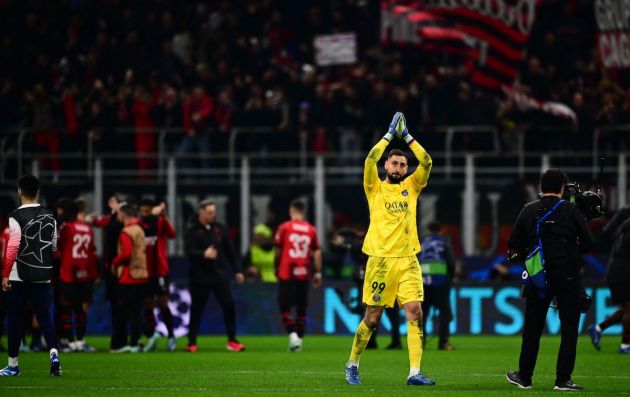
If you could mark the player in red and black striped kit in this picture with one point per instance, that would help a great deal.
(77, 272)
(157, 230)
(297, 244)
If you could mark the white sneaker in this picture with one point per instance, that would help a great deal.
(150, 346)
(295, 342)
(171, 344)
(84, 347)
(65, 346)
(124, 349)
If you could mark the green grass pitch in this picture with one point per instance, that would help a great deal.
(476, 368)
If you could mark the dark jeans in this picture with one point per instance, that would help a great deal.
(438, 296)
(199, 296)
(130, 306)
(40, 296)
(567, 292)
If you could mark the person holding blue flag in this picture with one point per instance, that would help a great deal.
(437, 259)
(549, 237)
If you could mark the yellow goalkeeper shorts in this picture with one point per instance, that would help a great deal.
(389, 279)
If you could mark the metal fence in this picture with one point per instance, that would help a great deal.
(468, 167)
(444, 142)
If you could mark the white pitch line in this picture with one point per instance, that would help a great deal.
(363, 390)
(366, 373)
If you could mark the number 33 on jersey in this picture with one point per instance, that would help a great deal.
(296, 241)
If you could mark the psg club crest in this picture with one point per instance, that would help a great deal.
(376, 297)
(405, 193)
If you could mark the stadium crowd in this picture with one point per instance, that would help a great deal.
(110, 72)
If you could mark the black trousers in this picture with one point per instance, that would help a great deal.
(567, 292)
(438, 296)
(130, 312)
(293, 293)
(119, 327)
(40, 296)
(199, 296)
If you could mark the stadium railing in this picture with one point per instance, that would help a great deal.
(452, 144)
(468, 171)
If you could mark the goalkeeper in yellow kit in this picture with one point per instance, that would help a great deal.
(393, 272)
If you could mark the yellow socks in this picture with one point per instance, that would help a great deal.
(414, 344)
(361, 338)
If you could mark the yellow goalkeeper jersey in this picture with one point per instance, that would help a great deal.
(393, 231)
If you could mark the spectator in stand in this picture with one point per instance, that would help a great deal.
(223, 118)
(584, 126)
(97, 120)
(198, 111)
(168, 114)
(253, 56)
(71, 121)
(145, 135)
(536, 78)
(41, 111)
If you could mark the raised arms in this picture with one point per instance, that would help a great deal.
(370, 172)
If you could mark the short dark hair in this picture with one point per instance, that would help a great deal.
(70, 211)
(81, 204)
(63, 202)
(434, 226)
(397, 152)
(298, 205)
(129, 210)
(29, 185)
(553, 180)
(145, 202)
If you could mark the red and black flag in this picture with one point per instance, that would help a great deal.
(493, 34)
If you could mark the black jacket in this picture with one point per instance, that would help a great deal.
(619, 261)
(210, 271)
(609, 233)
(112, 232)
(564, 235)
(37, 243)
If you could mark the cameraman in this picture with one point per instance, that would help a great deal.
(564, 237)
